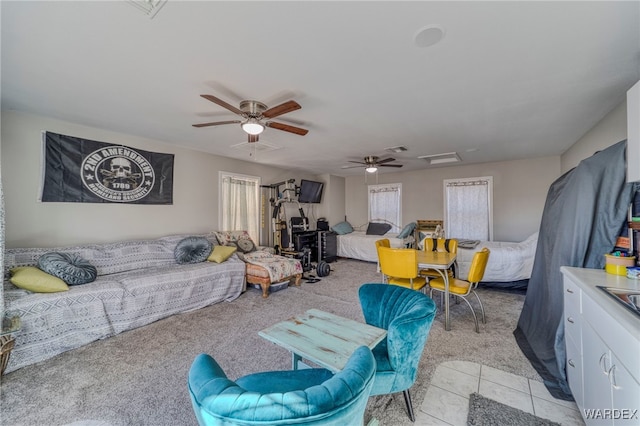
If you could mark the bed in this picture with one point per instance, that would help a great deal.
(359, 245)
(509, 263)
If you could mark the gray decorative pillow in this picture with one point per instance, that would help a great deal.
(193, 250)
(376, 228)
(70, 268)
(245, 245)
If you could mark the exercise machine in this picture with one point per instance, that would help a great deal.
(290, 237)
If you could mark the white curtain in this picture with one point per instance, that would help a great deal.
(468, 209)
(1, 247)
(384, 205)
(239, 201)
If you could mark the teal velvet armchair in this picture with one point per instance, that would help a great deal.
(407, 316)
(306, 397)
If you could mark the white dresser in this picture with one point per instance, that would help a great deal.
(602, 339)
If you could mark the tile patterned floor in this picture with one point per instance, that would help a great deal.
(447, 400)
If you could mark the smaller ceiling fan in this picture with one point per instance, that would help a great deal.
(371, 162)
(254, 113)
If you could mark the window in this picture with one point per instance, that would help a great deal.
(239, 204)
(385, 203)
(468, 208)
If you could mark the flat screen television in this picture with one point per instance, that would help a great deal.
(310, 191)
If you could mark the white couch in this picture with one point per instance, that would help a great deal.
(138, 282)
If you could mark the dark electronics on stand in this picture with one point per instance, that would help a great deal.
(310, 191)
(322, 224)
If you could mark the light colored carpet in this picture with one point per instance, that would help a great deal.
(139, 377)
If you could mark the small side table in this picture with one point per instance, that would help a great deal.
(10, 325)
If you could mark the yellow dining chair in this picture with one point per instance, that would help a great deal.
(462, 288)
(443, 245)
(400, 267)
(384, 242)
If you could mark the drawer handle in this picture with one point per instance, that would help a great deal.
(569, 291)
(602, 362)
(570, 362)
(570, 319)
(612, 377)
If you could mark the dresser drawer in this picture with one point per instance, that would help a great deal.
(625, 346)
(574, 370)
(572, 310)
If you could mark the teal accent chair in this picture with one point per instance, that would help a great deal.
(312, 396)
(407, 316)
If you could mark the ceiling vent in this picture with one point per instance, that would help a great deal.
(255, 146)
(396, 149)
(148, 7)
(447, 157)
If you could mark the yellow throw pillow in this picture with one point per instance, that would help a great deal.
(221, 253)
(33, 279)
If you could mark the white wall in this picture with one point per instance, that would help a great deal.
(333, 199)
(519, 193)
(520, 188)
(30, 223)
(610, 130)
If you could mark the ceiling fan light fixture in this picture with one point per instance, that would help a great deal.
(252, 126)
(371, 169)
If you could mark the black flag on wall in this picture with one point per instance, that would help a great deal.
(85, 171)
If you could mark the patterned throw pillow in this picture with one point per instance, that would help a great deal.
(69, 267)
(239, 239)
(192, 250)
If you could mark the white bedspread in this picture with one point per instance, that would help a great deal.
(507, 261)
(359, 245)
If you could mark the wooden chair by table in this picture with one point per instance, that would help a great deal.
(400, 267)
(462, 288)
(449, 245)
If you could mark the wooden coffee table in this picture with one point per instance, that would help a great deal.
(323, 338)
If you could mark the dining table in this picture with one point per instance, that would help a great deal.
(440, 261)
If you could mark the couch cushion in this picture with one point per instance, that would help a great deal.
(221, 253)
(53, 323)
(192, 250)
(35, 280)
(109, 258)
(69, 267)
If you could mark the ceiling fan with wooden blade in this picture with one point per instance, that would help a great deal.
(254, 114)
(371, 162)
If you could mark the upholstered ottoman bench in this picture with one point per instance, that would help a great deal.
(257, 274)
(265, 268)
